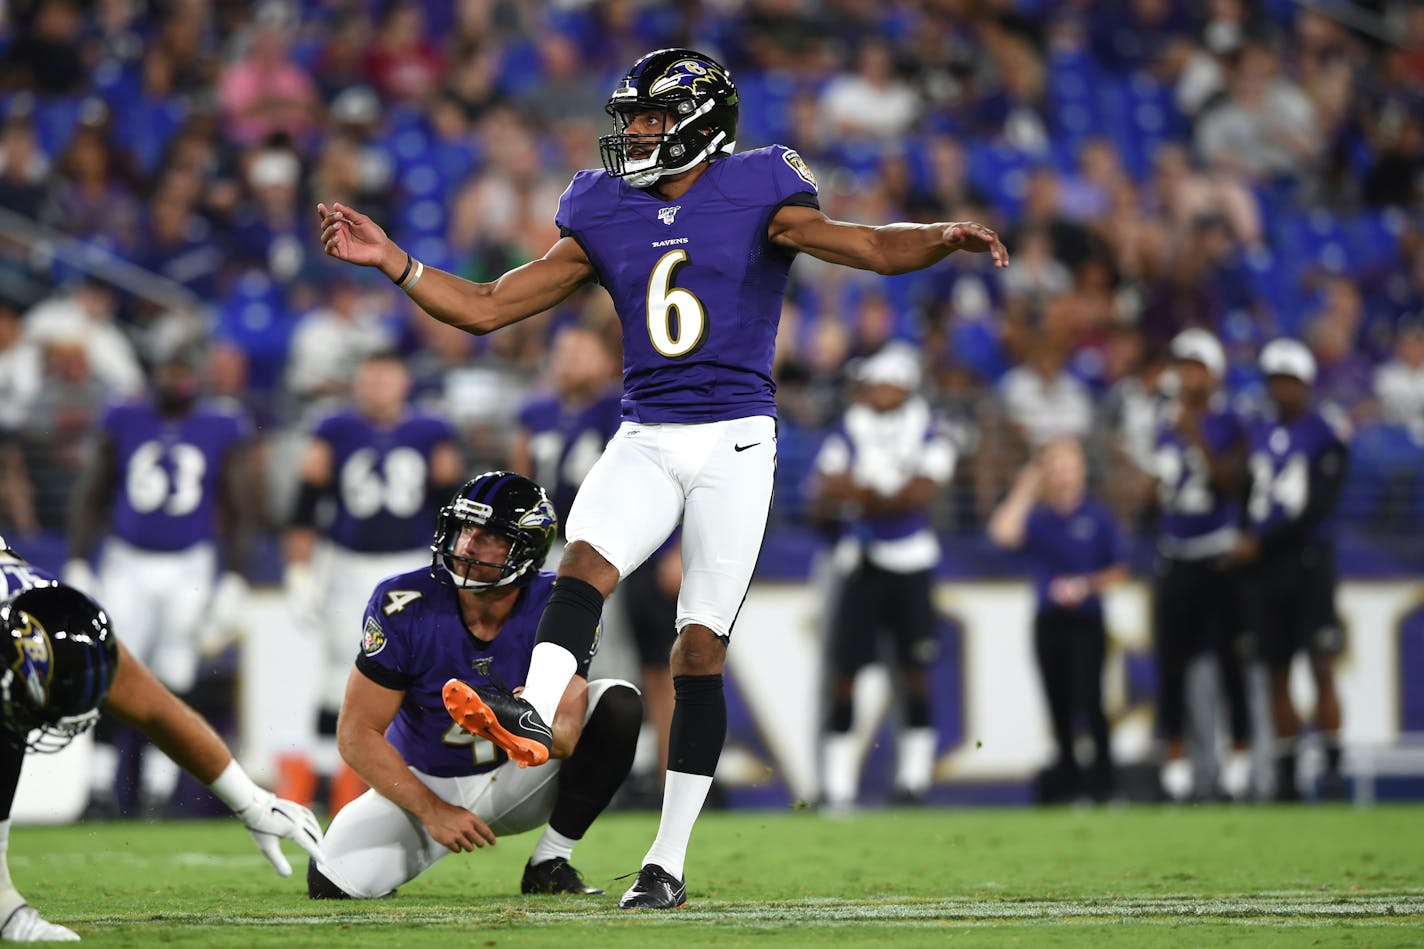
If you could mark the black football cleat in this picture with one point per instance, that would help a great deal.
(502, 717)
(554, 876)
(655, 889)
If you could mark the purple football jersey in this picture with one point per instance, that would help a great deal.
(1192, 508)
(565, 441)
(169, 472)
(16, 576)
(696, 283)
(382, 480)
(414, 641)
(1283, 458)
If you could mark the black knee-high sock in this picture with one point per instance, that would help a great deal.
(570, 619)
(600, 762)
(12, 760)
(699, 724)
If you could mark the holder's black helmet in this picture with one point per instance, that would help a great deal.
(508, 504)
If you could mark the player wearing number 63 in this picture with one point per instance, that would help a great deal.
(168, 482)
(471, 614)
(694, 244)
(372, 480)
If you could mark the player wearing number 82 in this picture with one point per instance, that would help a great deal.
(694, 243)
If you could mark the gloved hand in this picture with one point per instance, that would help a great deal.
(270, 818)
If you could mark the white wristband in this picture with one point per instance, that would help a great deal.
(235, 788)
(414, 277)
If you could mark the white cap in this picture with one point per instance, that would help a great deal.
(896, 364)
(275, 166)
(356, 105)
(1198, 345)
(1288, 357)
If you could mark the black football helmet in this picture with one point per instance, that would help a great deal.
(508, 504)
(60, 656)
(699, 96)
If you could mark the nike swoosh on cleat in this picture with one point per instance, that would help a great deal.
(528, 721)
(745, 447)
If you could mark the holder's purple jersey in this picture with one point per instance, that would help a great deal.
(696, 283)
(1197, 519)
(382, 486)
(170, 471)
(564, 443)
(1286, 462)
(414, 641)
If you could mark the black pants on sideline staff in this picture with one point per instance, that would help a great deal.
(1200, 607)
(1071, 646)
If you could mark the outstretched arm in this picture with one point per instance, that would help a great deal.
(137, 697)
(476, 308)
(888, 249)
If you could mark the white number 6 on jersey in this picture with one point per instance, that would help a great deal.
(664, 300)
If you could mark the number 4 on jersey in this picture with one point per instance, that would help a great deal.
(397, 600)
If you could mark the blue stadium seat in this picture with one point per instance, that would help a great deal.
(1001, 173)
(255, 317)
(1372, 236)
(145, 126)
(1385, 481)
(54, 120)
(1071, 81)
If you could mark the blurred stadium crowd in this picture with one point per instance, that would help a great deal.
(1253, 168)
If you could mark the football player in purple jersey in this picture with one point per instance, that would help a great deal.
(694, 243)
(170, 491)
(562, 429)
(1198, 602)
(62, 665)
(472, 613)
(1297, 461)
(373, 477)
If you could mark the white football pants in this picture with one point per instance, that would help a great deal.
(373, 846)
(714, 477)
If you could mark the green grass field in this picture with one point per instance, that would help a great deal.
(1314, 876)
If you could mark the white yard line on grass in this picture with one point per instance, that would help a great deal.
(1284, 909)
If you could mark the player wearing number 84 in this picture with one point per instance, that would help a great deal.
(694, 243)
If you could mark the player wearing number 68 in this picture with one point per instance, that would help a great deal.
(373, 476)
(694, 243)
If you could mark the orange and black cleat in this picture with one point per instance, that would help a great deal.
(502, 717)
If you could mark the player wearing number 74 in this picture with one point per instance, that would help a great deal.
(694, 243)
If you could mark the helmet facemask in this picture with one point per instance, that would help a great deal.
(699, 101)
(685, 143)
(504, 504)
(454, 568)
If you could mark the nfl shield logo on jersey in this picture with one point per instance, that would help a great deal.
(666, 215)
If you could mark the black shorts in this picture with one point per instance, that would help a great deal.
(1198, 605)
(652, 615)
(875, 601)
(1292, 599)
